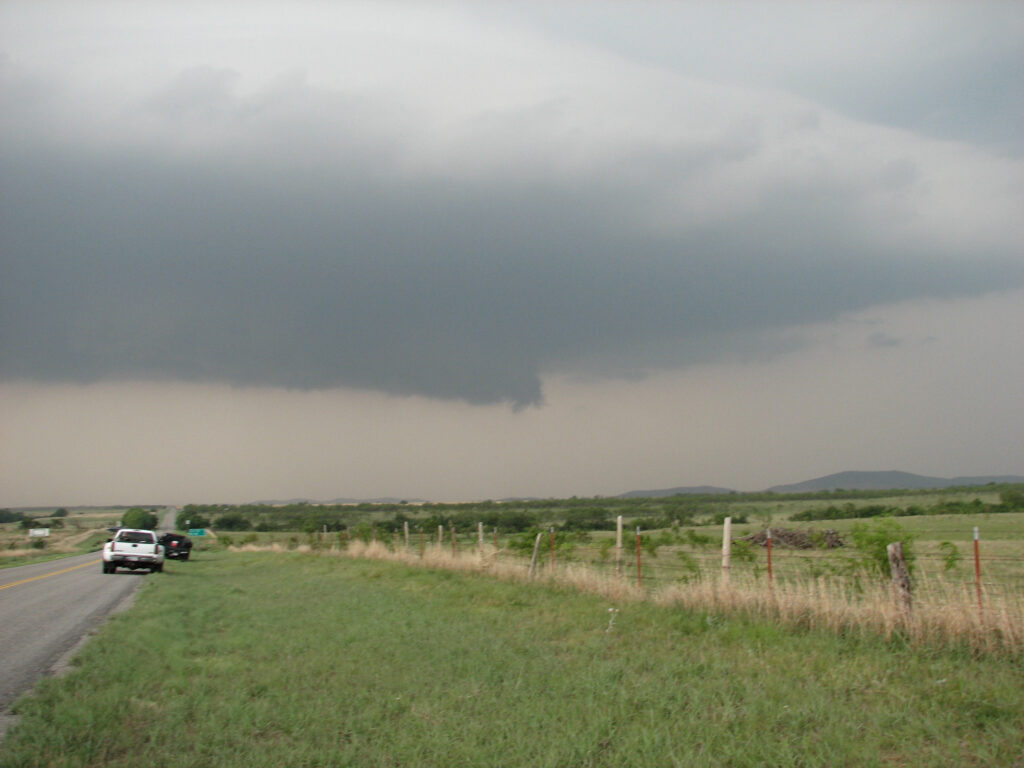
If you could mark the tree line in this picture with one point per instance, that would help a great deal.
(572, 514)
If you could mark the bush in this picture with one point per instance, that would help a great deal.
(139, 518)
(1012, 499)
(691, 568)
(232, 521)
(7, 516)
(523, 543)
(871, 540)
(951, 556)
(189, 518)
(588, 519)
(742, 551)
(650, 523)
(719, 517)
(699, 540)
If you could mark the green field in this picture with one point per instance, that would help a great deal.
(307, 659)
(81, 530)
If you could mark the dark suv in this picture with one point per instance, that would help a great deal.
(176, 546)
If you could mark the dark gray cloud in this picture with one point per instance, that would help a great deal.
(296, 237)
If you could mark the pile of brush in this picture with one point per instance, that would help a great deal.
(788, 537)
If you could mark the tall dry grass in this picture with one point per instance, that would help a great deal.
(943, 613)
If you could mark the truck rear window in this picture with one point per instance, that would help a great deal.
(134, 537)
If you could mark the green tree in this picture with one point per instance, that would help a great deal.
(232, 521)
(1012, 499)
(189, 518)
(137, 517)
(7, 516)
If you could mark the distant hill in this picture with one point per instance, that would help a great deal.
(316, 502)
(703, 490)
(878, 481)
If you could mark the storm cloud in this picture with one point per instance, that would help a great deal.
(478, 219)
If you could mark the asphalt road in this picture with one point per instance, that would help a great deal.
(45, 610)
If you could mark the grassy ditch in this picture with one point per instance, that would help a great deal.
(291, 659)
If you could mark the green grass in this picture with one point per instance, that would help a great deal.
(260, 659)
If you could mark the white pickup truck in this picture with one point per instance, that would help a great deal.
(133, 548)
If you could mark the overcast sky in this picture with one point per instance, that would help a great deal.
(463, 251)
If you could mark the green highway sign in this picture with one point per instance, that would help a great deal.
(196, 531)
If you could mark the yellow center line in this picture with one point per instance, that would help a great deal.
(47, 575)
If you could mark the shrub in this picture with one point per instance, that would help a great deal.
(232, 521)
(1012, 499)
(742, 551)
(364, 532)
(189, 518)
(139, 518)
(691, 568)
(871, 540)
(699, 540)
(523, 543)
(720, 515)
(588, 519)
(951, 556)
(7, 516)
(650, 523)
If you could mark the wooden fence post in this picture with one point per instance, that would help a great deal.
(618, 545)
(726, 549)
(454, 542)
(536, 550)
(552, 539)
(977, 574)
(405, 527)
(480, 536)
(440, 535)
(768, 542)
(900, 576)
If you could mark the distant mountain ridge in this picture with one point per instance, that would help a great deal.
(891, 480)
(692, 490)
(849, 481)
(316, 502)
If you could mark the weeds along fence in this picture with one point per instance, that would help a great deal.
(945, 611)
